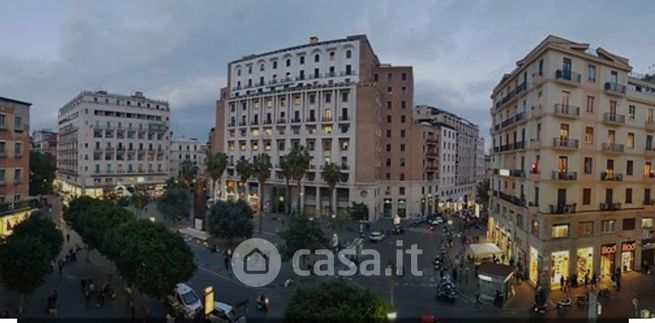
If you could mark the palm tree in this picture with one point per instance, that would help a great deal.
(244, 170)
(331, 174)
(261, 169)
(216, 165)
(300, 160)
(286, 165)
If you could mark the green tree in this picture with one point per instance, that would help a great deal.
(286, 166)
(483, 192)
(261, 169)
(216, 165)
(336, 301)
(331, 174)
(302, 233)
(139, 198)
(150, 257)
(300, 160)
(42, 173)
(45, 230)
(244, 170)
(24, 261)
(187, 173)
(359, 211)
(230, 220)
(175, 204)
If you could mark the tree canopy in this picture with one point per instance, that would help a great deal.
(359, 211)
(187, 173)
(43, 229)
(302, 233)
(42, 173)
(139, 198)
(230, 220)
(336, 301)
(175, 204)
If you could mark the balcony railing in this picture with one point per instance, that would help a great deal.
(326, 118)
(613, 118)
(615, 88)
(650, 125)
(521, 87)
(613, 148)
(610, 206)
(568, 76)
(564, 176)
(562, 208)
(611, 176)
(516, 173)
(519, 116)
(567, 110)
(565, 143)
(649, 202)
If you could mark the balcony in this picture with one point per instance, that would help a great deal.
(614, 119)
(649, 152)
(567, 111)
(507, 122)
(295, 120)
(534, 144)
(649, 176)
(521, 87)
(516, 173)
(611, 176)
(326, 119)
(649, 202)
(344, 118)
(519, 145)
(537, 79)
(610, 206)
(614, 88)
(567, 77)
(431, 154)
(650, 125)
(519, 116)
(613, 148)
(565, 143)
(268, 121)
(562, 208)
(311, 119)
(281, 120)
(564, 176)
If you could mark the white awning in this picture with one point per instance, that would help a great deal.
(484, 249)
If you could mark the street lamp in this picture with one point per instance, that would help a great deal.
(392, 316)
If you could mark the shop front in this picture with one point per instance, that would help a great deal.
(585, 263)
(628, 255)
(534, 266)
(647, 254)
(402, 208)
(387, 208)
(607, 256)
(495, 278)
(559, 267)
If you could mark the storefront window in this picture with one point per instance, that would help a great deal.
(387, 208)
(607, 253)
(628, 256)
(401, 208)
(647, 223)
(534, 265)
(560, 230)
(585, 263)
(559, 266)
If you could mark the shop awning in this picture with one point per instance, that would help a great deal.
(483, 249)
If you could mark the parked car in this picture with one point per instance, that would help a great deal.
(185, 302)
(435, 220)
(224, 312)
(376, 236)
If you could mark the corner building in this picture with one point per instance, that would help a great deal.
(335, 98)
(572, 163)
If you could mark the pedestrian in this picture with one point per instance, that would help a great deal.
(562, 283)
(226, 260)
(83, 283)
(586, 280)
(454, 274)
(60, 264)
(594, 280)
(87, 298)
(68, 237)
(618, 283)
(131, 309)
(477, 298)
(569, 283)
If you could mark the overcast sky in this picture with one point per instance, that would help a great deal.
(178, 50)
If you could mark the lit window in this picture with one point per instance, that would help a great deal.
(560, 231)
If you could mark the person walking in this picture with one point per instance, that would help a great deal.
(60, 265)
(562, 283)
(586, 280)
(68, 237)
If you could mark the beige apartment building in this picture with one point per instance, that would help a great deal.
(572, 159)
(335, 98)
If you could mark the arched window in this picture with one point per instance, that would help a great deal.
(317, 58)
(261, 67)
(349, 54)
(239, 72)
(288, 62)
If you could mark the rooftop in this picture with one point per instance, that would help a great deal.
(2, 98)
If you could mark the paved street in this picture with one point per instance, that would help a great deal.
(412, 297)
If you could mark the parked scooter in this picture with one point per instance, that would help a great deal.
(538, 309)
(262, 303)
(564, 303)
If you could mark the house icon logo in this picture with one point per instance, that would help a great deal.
(256, 262)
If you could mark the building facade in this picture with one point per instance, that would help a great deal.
(572, 160)
(335, 98)
(15, 202)
(108, 142)
(44, 141)
(183, 149)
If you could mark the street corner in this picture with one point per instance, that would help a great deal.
(256, 262)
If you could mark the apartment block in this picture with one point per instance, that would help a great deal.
(15, 202)
(572, 159)
(44, 141)
(183, 149)
(108, 142)
(335, 98)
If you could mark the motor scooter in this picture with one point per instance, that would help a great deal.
(564, 303)
(538, 309)
(263, 303)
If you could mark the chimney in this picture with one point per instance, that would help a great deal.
(313, 40)
(138, 94)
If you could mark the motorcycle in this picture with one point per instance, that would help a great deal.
(446, 291)
(564, 303)
(582, 299)
(262, 303)
(538, 309)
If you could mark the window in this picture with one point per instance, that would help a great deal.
(317, 58)
(630, 141)
(344, 97)
(328, 98)
(586, 196)
(401, 190)
(646, 223)
(585, 228)
(591, 74)
(388, 147)
(590, 104)
(261, 67)
(402, 147)
(389, 76)
(402, 119)
(275, 65)
(589, 135)
(402, 176)
(402, 133)
(541, 67)
(388, 104)
(18, 175)
(403, 76)
(631, 112)
(388, 119)
(18, 149)
(628, 224)
(403, 104)
(388, 162)
(349, 54)
(3, 121)
(629, 167)
(607, 226)
(628, 196)
(402, 162)
(588, 165)
(388, 133)
(288, 62)
(647, 195)
(560, 230)
(389, 90)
